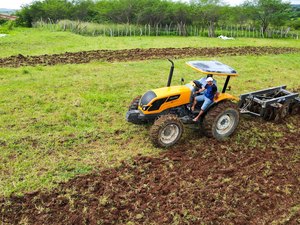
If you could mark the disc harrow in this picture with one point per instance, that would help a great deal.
(272, 104)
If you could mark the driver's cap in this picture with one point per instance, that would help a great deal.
(209, 79)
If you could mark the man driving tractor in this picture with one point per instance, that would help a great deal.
(207, 98)
(203, 80)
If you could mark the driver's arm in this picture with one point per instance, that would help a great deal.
(200, 90)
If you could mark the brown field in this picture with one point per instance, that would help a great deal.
(137, 54)
(222, 182)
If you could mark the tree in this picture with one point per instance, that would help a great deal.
(180, 13)
(104, 11)
(44, 10)
(124, 11)
(236, 15)
(83, 10)
(152, 12)
(269, 12)
(56, 9)
(208, 13)
(205, 13)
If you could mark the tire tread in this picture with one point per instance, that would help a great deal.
(160, 123)
(208, 122)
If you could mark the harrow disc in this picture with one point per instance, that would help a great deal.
(281, 111)
(284, 110)
(295, 109)
(270, 113)
(277, 113)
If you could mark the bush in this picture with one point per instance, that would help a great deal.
(296, 24)
(7, 26)
(3, 21)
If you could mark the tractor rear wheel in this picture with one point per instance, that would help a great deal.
(221, 121)
(166, 131)
(134, 103)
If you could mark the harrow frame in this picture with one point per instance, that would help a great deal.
(272, 103)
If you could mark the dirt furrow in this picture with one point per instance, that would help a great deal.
(136, 54)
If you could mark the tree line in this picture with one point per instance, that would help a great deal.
(208, 13)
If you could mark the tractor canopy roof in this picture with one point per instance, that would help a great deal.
(212, 67)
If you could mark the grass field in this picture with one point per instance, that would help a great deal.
(38, 41)
(60, 121)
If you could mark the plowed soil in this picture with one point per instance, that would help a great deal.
(136, 54)
(232, 182)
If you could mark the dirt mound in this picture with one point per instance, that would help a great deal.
(136, 54)
(220, 183)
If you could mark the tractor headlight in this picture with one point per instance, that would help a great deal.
(145, 108)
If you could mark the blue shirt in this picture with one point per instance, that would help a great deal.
(210, 91)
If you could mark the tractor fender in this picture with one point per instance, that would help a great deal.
(221, 98)
(215, 103)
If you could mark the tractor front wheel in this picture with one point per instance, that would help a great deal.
(166, 131)
(134, 103)
(221, 121)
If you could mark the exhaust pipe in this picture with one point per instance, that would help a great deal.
(171, 73)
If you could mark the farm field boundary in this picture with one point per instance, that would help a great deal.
(137, 54)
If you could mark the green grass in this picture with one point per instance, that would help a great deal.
(38, 41)
(60, 121)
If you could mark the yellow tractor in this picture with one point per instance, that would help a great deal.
(168, 108)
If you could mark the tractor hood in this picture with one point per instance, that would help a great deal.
(157, 100)
(169, 91)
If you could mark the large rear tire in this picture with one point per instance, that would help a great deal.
(221, 121)
(166, 131)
